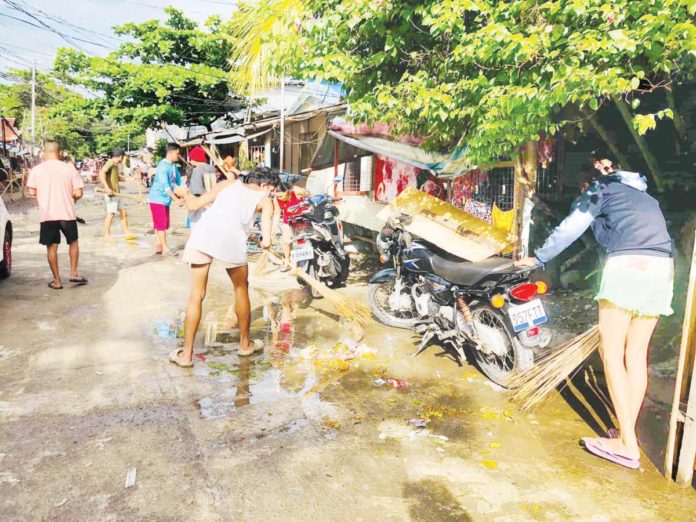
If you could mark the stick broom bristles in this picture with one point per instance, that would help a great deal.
(533, 386)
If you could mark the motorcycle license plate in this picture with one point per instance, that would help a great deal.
(302, 254)
(528, 315)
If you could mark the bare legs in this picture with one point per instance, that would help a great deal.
(199, 285)
(74, 252)
(109, 221)
(624, 349)
(124, 221)
(52, 255)
(240, 280)
(161, 246)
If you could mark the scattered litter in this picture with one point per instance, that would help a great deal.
(496, 445)
(200, 357)
(8, 478)
(496, 414)
(489, 464)
(165, 330)
(379, 382)
(331, 423)
(130, 477)
(45, 327)
(418, 423)
(61, 503)
(100, 442)
(398, 383)
(392, 430)
(416, 402)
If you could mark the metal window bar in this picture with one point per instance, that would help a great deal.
(351, 176)
(257, 154)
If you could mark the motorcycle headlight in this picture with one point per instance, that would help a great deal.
(382, 244)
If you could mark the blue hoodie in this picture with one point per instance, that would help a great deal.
(624, 218)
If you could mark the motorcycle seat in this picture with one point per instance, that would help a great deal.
(466, 273)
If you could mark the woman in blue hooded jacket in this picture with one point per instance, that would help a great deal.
(636, 289)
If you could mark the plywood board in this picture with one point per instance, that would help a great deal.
(448, 227)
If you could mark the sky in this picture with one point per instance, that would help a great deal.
(21, 43)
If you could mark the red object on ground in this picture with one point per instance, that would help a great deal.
(200, 357)
(397, 383)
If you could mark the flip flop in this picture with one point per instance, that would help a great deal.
(258, 347)
(170, 253)
(130, 237)
(174, 358)
(597, 448)
(79, 282)
(50, 285)
(613, 433)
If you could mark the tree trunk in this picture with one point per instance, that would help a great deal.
(679, 125)
(640, 141)
(613, 147)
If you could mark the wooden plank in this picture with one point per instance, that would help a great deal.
(685, 367)
(448, 227)
(687, 452)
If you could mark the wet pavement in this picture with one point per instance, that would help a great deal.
(328, 423)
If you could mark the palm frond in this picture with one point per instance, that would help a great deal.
(261, 29)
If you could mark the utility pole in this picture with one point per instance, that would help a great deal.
(33, 109)
(282, 123)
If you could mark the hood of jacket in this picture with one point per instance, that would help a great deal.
(632, 179)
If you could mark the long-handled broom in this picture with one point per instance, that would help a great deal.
(345, 306)
(533, 386)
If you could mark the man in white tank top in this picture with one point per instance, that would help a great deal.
(222, 234)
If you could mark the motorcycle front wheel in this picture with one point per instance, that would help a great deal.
(378, 299)
(502, 354)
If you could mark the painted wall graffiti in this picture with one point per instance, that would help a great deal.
(392, 177)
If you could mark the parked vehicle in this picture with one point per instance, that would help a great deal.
(318, 241)
(490, 309)
(6, 236)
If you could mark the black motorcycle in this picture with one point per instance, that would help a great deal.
(489, 308)
(318, 241)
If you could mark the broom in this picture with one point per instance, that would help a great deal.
(533, 386)
(345, 306)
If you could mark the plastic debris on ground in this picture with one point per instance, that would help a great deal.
(130, 477)
(393, 430)
(418, 423)
(398, 383)
(346, 350)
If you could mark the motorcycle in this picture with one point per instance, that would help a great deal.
(317, 246)
(489, 309)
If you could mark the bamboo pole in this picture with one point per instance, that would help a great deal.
(686, 357)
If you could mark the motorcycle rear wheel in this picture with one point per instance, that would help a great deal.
(517, 358)
(378, 299)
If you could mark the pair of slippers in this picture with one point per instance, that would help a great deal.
(175, 356)
(599, 449)
(77, 282)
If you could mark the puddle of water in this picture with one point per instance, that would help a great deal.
(250, 382)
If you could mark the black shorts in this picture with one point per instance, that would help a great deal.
(50, 232)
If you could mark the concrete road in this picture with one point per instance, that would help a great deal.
(98, 425)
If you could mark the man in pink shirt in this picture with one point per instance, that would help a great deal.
(57, 185)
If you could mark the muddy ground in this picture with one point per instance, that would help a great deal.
(89, 405)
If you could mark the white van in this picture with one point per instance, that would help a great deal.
(5, 242)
